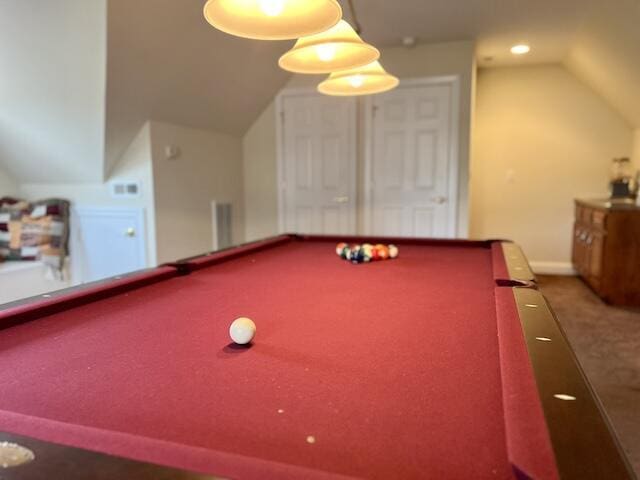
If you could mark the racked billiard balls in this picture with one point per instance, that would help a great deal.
(368, 252)
(383, 252)
(340, 249)
(357, 254)
(345, 253)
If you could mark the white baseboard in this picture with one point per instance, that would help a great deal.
(552, 268)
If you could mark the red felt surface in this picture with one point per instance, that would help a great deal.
(393, 367)
(500, 270)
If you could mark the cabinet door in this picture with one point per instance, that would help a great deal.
(580, 260)
(595, 244)
(575, 254)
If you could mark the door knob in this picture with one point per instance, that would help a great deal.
(341, 199)
(130, 232)
(439, 200)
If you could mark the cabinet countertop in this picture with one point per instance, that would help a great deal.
(615, 204)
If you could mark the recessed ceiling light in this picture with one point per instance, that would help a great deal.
(520, 49)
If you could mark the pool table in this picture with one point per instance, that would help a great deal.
(446, 362)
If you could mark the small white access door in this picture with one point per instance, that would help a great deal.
(411, 162)
(106, 242)
(317, 164)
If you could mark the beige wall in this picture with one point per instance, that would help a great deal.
(208, 168)
(542, 139)
(175, 194)
(635, 156)
(135, 165)
(260, 179)
(453, 58)
(8, 185)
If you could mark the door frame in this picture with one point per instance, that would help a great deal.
(75, 240)
(454, 155)
(280, 161)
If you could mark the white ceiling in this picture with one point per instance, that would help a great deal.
(606, 55)
(164, 62)
(547, 25)
(52, 88)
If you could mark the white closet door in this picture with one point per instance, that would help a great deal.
(318, 164)
(412, 167)
(106, 242)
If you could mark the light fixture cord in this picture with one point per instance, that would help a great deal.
(354, 18)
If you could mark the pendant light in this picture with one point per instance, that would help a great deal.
(338, 48)
(365, 80)
(272, 19)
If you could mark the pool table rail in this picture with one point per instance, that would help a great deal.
(584, 442)
(24, 310)
(53, 460)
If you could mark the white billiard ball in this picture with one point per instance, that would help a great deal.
(393, 251)
(242, 330)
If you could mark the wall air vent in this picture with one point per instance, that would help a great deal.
(125, 189)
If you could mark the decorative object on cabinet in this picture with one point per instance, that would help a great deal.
(622, 183)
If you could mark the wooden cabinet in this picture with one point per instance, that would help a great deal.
(606, 249)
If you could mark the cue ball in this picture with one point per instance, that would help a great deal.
(393, 251)
(242, 330)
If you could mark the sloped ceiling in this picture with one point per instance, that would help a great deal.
(547, 25)
(52, 87)
(606, 55)
(166, 63)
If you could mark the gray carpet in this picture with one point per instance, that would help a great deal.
(607, 342)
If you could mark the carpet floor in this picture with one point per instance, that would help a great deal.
(606, 341)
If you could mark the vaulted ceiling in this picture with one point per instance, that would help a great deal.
(167, 63)
(605, 54)
(164, 62)
(52, 89)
